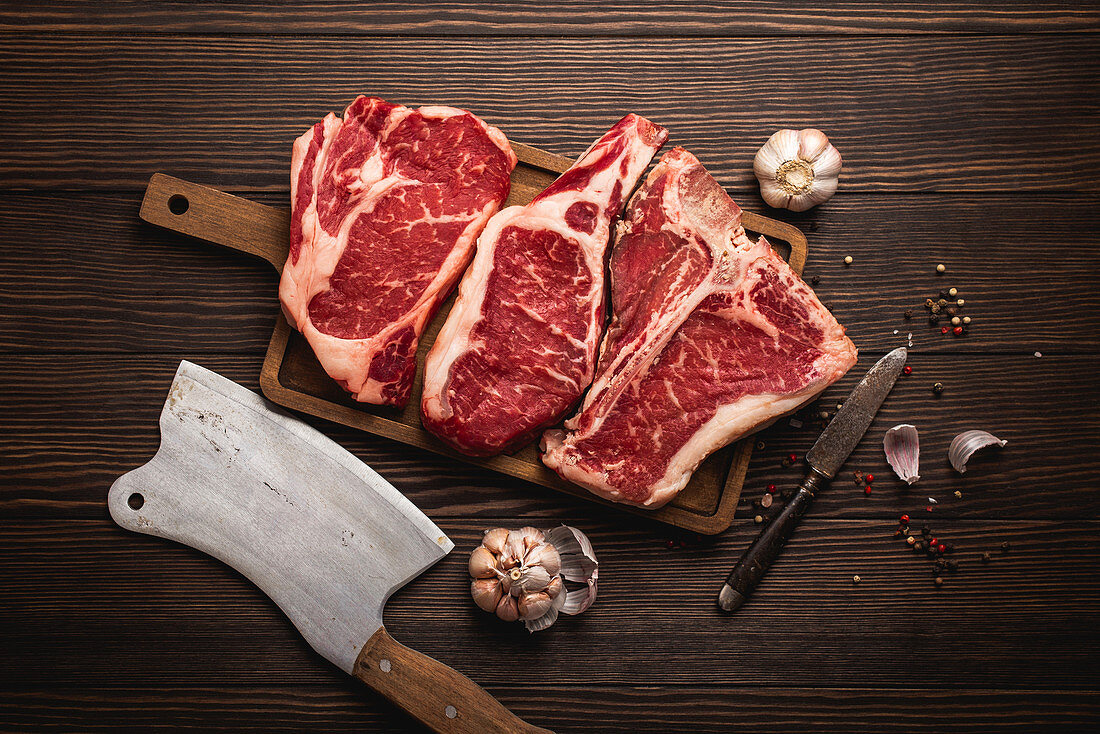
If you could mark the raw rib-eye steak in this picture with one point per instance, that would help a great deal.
(712, 336)
(519, 346)
(387, 205)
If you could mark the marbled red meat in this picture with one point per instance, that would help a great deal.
(712, 336)
(519, 346)
(386, 208)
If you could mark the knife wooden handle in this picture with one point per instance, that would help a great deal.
(215, 216)
(765, 549)
(438, 696)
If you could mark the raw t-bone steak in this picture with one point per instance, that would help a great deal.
(712, 336)
(387, 205)
(519, 346)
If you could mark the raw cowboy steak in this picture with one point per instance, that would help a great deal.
(519, 346)
(387, 205)
(712, 336)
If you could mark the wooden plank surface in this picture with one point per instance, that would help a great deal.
(908, 114)
(561, 17)
(971, 136)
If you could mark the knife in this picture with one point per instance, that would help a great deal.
(318, 531)
(832, 449)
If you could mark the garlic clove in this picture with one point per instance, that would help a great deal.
(966, 444)
(533, 606)
(531, 579)
(515, 548)
(532, 537)
(545, 555)
(494, 540)
(555, 587)
(508, 608)
(486, 593)
(483, 564)
(902, 447)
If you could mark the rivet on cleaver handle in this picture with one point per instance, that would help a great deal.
(315, 528)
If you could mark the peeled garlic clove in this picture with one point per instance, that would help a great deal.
(483, 564)
(508, 608)
(797, 169)
(545, 555)
(966, 444)
(902, 449)
(494, 539)
(486, 593)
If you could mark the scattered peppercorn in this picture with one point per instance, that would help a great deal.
(867, 490)
(933, 319)
(952, 292)
(928, 302)
(986, 558)
(758, 519)
(958, 330)
(1005, 546)
(918, 546)
(670, 544)
(936, 307)
(941, 268)
(792, 458)
(942, 547)
(759, 445)
(942, 302)
(870, 478)
(848, 260)
(956, 321)
(908, 314)
(815, 279)
(856, 579)
(904, 519)
(937, 388)
(958, 495)
(951, 311)
(926, 531)
(960, 302)
(911, 540)
(938, 581)
(907, 370)
(943, 330)
(966, 319)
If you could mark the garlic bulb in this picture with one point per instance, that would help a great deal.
(518, 574)
(797, 169)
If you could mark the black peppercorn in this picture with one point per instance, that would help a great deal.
(933, 319)
(1005, 546)
(908, 314)
(918, 546)
(926, 531)
(815, 279)
(938, 581)
(986, 558)
(937, 388)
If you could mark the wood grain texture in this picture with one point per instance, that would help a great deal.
(909, 114)
(86, 601)
(90, 276)
(69, 426)
(562, 17)
(711, 710)
(439, 697)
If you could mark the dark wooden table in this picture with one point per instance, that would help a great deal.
(971, 137)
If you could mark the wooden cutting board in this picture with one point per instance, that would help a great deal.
(293, 378)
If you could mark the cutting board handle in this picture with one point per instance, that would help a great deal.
(215, 216)
(439, 697)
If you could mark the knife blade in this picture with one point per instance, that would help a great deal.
(828, 454)
(317, 530)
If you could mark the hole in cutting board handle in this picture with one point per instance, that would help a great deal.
(178, 204)
(135, 501)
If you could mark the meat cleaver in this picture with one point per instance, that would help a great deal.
(315, 528)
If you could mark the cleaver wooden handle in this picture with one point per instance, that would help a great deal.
(439, 697)
(215, 216)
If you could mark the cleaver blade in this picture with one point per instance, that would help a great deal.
(316, 529)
